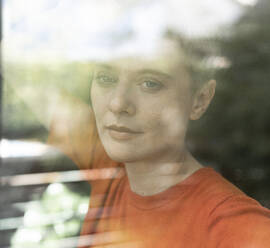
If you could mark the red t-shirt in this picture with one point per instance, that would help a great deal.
(203, 211)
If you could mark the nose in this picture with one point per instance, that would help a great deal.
(121, 103)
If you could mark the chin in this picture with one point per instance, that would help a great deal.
(124, 154)
(122, 157)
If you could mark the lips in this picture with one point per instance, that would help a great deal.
(121, 132)
(121, 129)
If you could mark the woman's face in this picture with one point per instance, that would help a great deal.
(142, 107)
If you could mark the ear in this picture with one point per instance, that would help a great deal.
(202, 100)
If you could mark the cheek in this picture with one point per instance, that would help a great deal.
(174, 122)
(97, 104)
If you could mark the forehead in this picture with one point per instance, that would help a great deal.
(166, 59)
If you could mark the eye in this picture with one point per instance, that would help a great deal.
(151, 85)
(105, 79)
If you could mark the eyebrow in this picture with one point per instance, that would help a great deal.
(106, 66)
(156, 72)
(142, 71)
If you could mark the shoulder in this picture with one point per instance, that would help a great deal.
(234, 219)
(213, 188)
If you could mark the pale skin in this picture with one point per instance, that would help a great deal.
(142, 107)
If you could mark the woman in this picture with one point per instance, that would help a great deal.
(158, 195)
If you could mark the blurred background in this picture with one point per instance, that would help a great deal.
(48, 46)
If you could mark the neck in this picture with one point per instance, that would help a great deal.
(149, 178)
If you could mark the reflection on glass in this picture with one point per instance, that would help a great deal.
(144, 61)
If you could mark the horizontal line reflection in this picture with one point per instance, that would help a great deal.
(116, 239)
(63, 176)
(54, 218)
